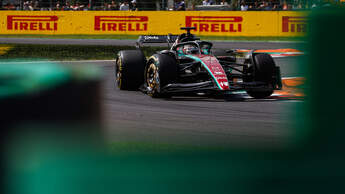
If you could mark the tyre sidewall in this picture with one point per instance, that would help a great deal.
(167, 70)
(264, 67)
(132, 69)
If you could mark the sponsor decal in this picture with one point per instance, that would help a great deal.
(151, 37)
(294, 24)
(32, 23)
(121, 23)
(208, 62)
(228, 24)
(221, 77)
(217, 70)
(212, 64)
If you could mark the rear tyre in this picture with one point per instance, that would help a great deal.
(161, 70)
(263, 72)
(265, 66)
(129, 69)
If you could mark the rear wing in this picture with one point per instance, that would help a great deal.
(155, 39)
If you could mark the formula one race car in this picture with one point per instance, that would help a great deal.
(191, 66)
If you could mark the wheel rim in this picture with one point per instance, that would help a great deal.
(152, 79)
(118, 73)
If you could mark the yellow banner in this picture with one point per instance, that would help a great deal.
(213, 23)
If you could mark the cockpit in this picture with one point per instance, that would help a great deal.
(195, 47)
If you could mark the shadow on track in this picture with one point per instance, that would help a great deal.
(234, 98)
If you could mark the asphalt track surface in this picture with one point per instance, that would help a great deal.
(132, 116)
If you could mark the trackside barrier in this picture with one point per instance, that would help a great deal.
(213, 23)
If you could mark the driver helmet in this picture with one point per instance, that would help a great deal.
(190, 49)
(205, 51)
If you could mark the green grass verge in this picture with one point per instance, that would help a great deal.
(226, 38)
(66, 52)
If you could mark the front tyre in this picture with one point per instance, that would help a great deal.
(161, 70)
(129, 69)
(264, 70)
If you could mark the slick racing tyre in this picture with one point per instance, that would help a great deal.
(263, 72)
(265, 66)
(129, 69)
(161, 70)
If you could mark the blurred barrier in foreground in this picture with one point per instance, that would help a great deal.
(48, 92)
(213, 23)
(44, 104)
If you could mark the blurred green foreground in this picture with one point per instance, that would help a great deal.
(52, 138)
